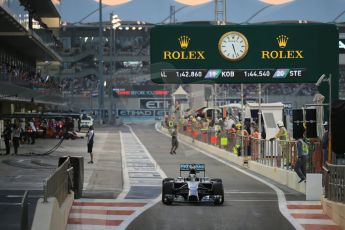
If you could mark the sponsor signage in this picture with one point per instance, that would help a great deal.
(135, 113)
(140, 91)
(187, 167)
(281, 53)
(139, 113)
(183, 53)
(160, 113)
(154, 104)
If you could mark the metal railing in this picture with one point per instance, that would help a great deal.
(334, 181)
(60, 183)
(276, 153)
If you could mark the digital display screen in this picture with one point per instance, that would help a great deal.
(226, 75)
(140, 91)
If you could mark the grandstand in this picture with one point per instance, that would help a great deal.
(80, 69)
(67, 55)
(26, 37)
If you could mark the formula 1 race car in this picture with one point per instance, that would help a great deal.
(192, 188)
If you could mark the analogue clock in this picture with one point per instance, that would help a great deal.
(233, 46)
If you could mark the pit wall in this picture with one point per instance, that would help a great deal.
(334, 210)
(50, 216)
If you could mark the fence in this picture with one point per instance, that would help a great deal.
(335, 183)
(60, 183)
(277, 153)
(284, 154)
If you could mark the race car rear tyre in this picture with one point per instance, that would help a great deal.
(218, 190)
(167, 192)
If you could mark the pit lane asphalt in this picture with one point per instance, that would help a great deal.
(248, 204)
(19, 173)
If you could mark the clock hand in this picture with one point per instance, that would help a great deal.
(234, 49)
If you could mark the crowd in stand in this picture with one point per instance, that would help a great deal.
(128, 76)
(12, 73)
(77, 85)
(27, 78)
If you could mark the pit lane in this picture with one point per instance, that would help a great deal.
(248, 204)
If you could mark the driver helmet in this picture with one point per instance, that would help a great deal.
(192, 177)
(192, 169)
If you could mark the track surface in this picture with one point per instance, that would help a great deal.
(248, 204)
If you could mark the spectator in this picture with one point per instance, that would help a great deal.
(16, 138)
(302, 151)
(90, 137)
(33, 131)
(283, 136)
(22, 129)
(7, 137)
(174, 141)
(325, 143)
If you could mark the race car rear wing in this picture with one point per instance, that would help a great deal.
(198, 167)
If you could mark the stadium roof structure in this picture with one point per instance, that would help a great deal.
(43, 8)
(238, 11)
(16, 37)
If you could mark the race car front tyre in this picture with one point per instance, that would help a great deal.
(218, 193)
(167, 192)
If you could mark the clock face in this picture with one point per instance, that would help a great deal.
(233, 46)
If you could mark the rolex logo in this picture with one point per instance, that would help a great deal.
(184, 54)
(184, 41)
(282, 41)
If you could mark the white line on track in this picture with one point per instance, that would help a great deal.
(315, 221)
(280, 194)
(124, 171)
(306, 211)
(126, 183)
(21, 196)
(90, 227)
(303, 202)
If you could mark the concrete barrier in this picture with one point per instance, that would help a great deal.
(334, 210)
(49, 216)
(282, 176)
